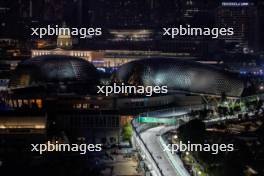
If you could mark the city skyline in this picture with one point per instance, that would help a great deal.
(131, 87)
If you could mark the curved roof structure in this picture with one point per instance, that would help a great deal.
(180, 75)
(53, 69)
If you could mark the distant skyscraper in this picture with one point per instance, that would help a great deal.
(261, 25)
(121, 14)
(242, 16)
(197, 13)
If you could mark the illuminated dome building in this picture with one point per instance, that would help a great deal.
(64, 41)
(180, 76)
(63, 88)
(65, 47)
(55, 73)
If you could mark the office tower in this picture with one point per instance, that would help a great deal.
(120, 14)
(260, 25)
(242, 17)
(197, 12)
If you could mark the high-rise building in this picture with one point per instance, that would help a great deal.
(242, 17)
(261, 25)
(163, 13)
(120, 14)
(197, 12)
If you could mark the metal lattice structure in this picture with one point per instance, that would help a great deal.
(53, 69)
(181, 75)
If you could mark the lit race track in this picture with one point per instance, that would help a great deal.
(166, 163)
(151, 143)
(169, 166)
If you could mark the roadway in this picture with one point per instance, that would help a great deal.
(147, 155)
(168, 166)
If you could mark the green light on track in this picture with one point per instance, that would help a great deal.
(156, 120)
